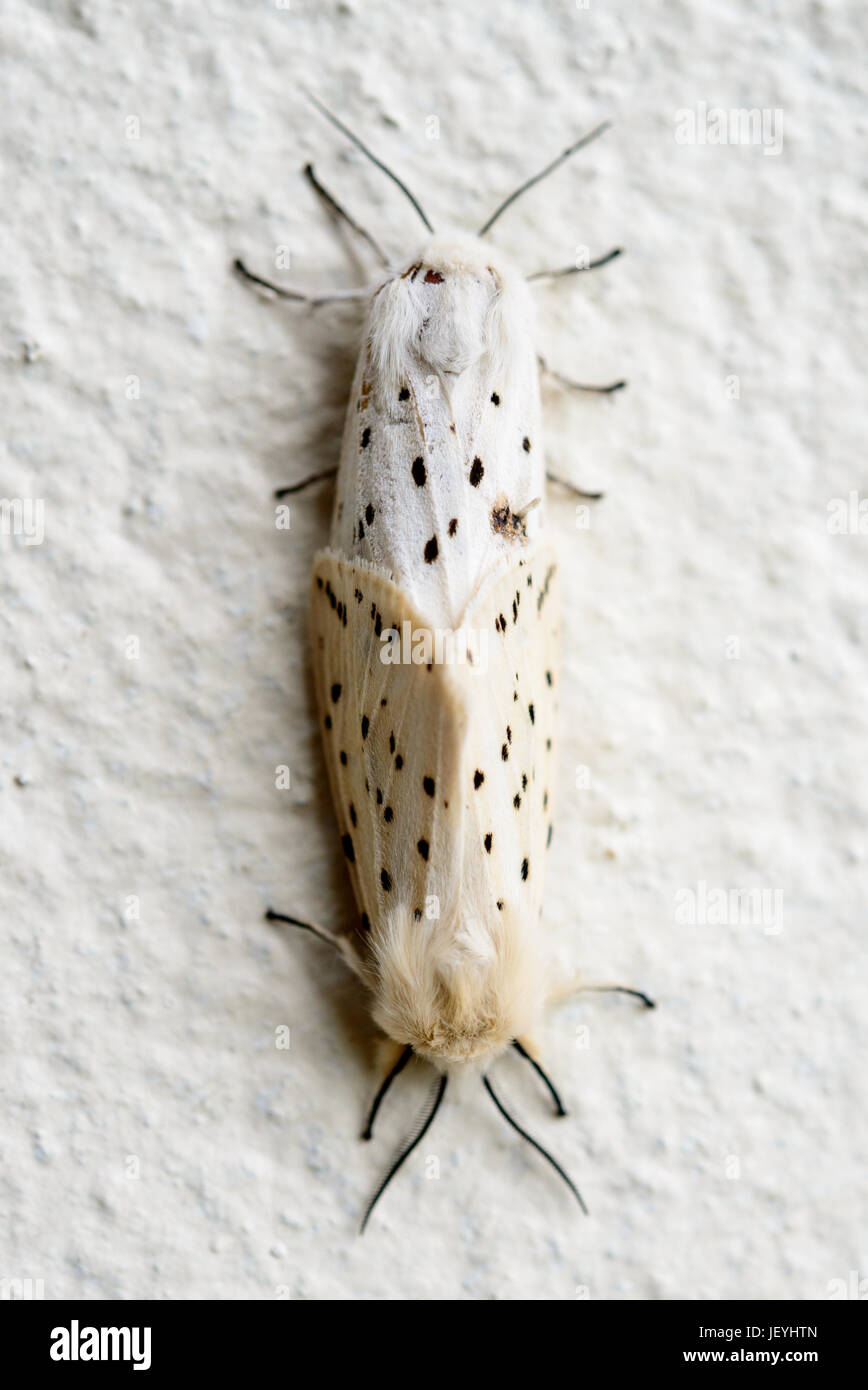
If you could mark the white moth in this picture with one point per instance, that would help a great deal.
(435, 623)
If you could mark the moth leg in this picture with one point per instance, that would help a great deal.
(341, 212)
(392, 1058)
(578, 491)
(576, 269)
(622, 989)
(305, 482)
(314, 300)
(562, 992)
(342, 944)
(527, 1048)
(577, 385)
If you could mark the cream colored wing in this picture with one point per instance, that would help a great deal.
(508, 776)
(394, 735)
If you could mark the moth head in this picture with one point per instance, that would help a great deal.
(454, 303)
(456, 992)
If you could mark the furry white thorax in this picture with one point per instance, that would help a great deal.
(481, 308)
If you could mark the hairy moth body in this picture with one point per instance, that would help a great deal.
(435, 626)
(441, 757)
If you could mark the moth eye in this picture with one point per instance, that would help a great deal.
(433, 277)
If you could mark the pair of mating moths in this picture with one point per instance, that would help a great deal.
(435, 617)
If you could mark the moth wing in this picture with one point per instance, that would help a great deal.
(394, 733)
(509, 780)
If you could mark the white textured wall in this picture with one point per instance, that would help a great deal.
(154, 778)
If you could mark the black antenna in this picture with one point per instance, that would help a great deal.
(523, 1052)
(539, 1148)
(364, 149)
(585, 140)
(378, 1098)
(405, 1153)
